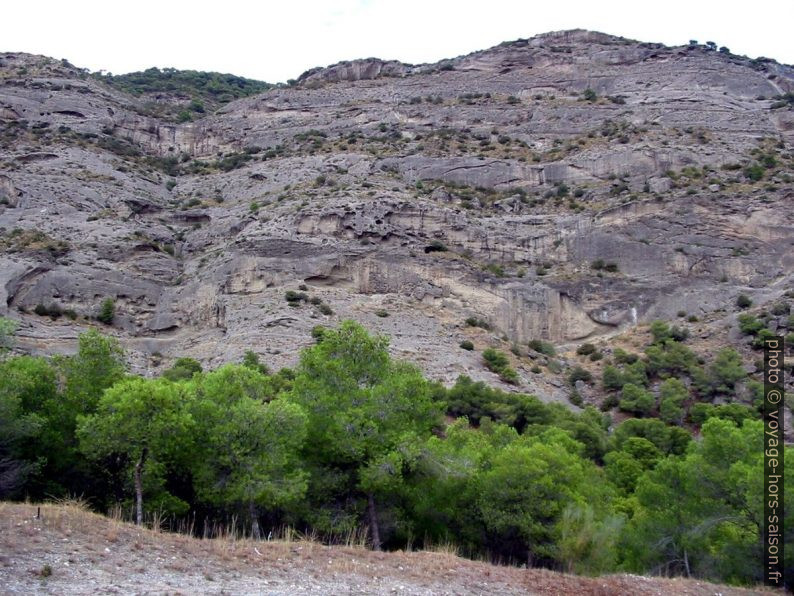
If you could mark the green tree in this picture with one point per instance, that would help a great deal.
(672, 394)
(367, 414)
(7, 330)
(701, 515)
(251, 360)
(28, 394)
(145, 422)
(107, 311)
(18, 426)
(99, 363)
(528, 485)
(247, 444)
(726, 370)
(635, 399)
(183, 369)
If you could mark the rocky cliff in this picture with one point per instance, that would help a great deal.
(566, 187)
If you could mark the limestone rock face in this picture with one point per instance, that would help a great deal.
(409, 198)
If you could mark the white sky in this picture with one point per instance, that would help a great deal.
(276, 41)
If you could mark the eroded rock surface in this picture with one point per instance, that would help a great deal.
(483, 186)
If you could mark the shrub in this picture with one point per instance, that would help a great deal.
(494, 360)
(508, 375)
(589, 95)
(579, 374)
(467, 345)
(623, 357)
(496, 269)
(183, 369)
(294, 297)
(726, 370)
(541, 346)
(107, 311)
(575, 398)
(498, 363)
(612, 378)
(636, 400)
(749, 325)
(53, 311)
(586, 349)
(475, 322)
(743, 301)
(325, 309)
(381, 313)
(754, 172)
(672, 394)
(610, 401)
(435, 246)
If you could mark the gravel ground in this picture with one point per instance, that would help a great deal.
(72, 551)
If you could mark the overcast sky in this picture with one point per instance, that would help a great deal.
(276, 41)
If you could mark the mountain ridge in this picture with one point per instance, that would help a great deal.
(196, 229)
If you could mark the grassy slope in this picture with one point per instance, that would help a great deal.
(88, 553)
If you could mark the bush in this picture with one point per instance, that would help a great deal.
(636, 400)
(183, 369)
(612, 378)
(53, 311)
(575, 398)
(381, 313)
(508, 375)
(294, 297)
(467, 345)
(494, 360)
(623, 357)
(498, 363)
(743, 301)
(579, 374)
(436, 246)
(726, 370)
(475, 322)
(749, 325)
(754, 172)
(589, 95)
(107, 311)
(585, 349)
(541, 346)
(672, 394)
(325, 309)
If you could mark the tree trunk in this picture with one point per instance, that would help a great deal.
(686, 564)
(256, 533)
(373, 522)
(139, 489)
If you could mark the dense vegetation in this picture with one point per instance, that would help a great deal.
(353, 439)
(210, 88)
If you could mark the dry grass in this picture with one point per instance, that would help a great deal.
(85, 551)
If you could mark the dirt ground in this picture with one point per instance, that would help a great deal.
(73, 551)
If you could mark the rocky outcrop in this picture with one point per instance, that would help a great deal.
(407, 197)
